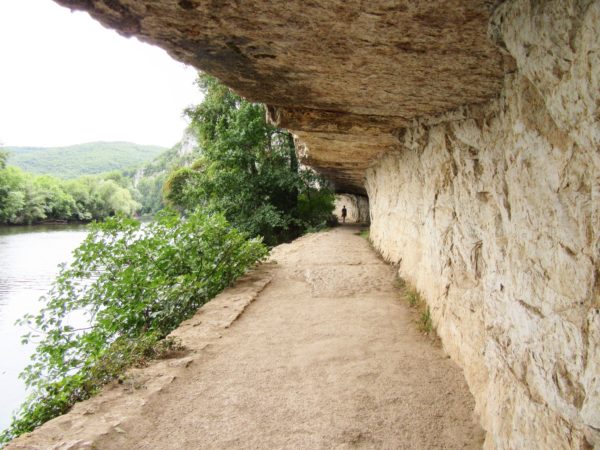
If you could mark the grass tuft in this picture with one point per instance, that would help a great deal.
(365, 234)
(400, 283)
(425, 323)
(416, 301)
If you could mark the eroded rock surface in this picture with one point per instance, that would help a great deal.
(495, 218)
(343, 75)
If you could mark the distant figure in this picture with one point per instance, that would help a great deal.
(344, 214)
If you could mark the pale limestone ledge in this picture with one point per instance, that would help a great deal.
(342, 75)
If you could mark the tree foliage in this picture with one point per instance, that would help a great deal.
(132, 285)
(26, 198)
(146, 182)
(248, 170)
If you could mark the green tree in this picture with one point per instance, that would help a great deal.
(113, 199)
(57, 202)
(12, 198)
(26, 198)
(34, 209)
(80, 192)
(248, 170)
(150, 193)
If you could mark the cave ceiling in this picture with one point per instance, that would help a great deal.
(345, 76)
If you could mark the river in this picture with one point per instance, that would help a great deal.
(29, 257)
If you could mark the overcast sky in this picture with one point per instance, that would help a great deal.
(65, 79)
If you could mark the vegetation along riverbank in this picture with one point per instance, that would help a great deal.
(135, 284)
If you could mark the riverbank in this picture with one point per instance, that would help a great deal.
(325, 354)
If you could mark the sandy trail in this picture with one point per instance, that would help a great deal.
(327, 356)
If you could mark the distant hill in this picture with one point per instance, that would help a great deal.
(83, 159)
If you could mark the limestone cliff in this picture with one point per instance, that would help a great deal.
(343, 75)
(492, 221)
(474, 128)
(494, 214)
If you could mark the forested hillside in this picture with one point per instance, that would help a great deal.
(84, 159)
(26, 198)
(147, 180)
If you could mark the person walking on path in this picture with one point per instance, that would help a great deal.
(344, 214)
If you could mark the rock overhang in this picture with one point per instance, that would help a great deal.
(343, 75)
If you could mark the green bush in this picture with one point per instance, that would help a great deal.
(248, 170)
(133, 284)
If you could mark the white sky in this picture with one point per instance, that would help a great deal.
(65, 79)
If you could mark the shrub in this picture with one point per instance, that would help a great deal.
(133, 284)
(248, 169)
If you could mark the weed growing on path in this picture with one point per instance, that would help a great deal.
(417, 302)
(414, 299)
(425, 324)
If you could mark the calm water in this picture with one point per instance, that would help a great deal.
(28, 264)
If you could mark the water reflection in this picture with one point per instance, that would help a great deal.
(29, 257)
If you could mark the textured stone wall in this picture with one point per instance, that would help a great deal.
(494, 214)
(357, 207)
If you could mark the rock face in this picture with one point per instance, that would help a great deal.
(474, 127)
(357, 208)
(493, 224)
(343, 75)
(495, 218)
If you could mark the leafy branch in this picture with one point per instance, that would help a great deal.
(134, 285)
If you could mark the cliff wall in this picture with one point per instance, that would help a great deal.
(494, 217)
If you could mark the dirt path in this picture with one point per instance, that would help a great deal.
(327, 356)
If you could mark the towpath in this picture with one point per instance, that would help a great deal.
(325, 355)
